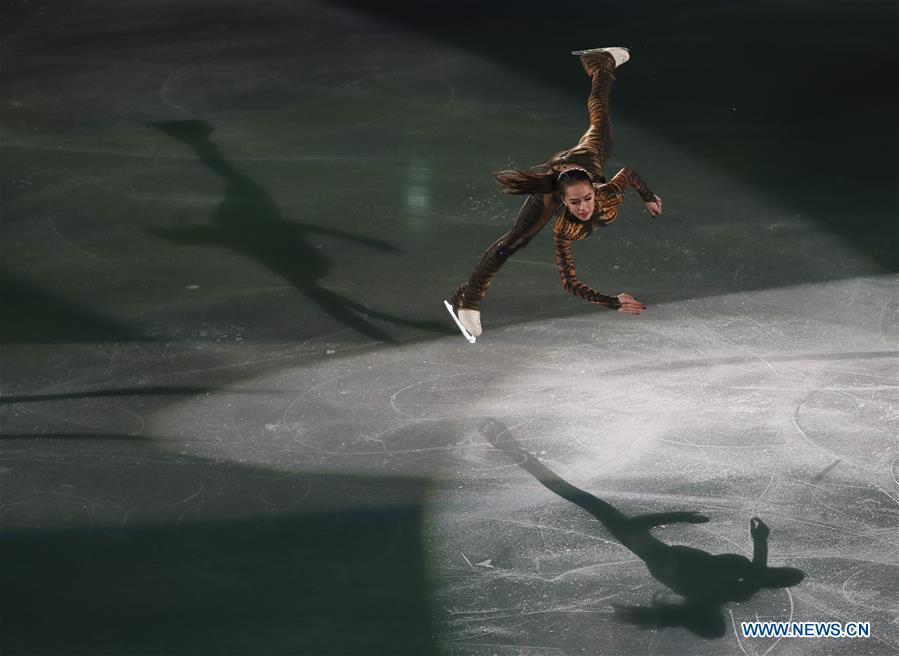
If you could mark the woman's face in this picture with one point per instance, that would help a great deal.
(580, 200)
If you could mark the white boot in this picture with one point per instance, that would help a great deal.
(471, 319)
(619, 54)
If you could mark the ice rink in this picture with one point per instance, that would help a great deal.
(236, 418)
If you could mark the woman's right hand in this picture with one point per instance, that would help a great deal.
(629, 304)
(654, 207)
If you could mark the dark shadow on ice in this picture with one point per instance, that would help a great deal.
(74, 436)
(703, 580)
(154, 390)
(159, 390)
(249, 222)
(32, 314)
(826, 470)
(146, 552)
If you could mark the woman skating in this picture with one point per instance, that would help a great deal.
(570, 190)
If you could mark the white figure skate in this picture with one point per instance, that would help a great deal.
(469, 325)
(619, 54)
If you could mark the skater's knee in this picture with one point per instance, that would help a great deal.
(505, 249)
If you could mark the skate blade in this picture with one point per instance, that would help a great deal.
(449, 308)
(578, 53)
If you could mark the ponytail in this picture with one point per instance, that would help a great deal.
(515, 181)
(543, 179)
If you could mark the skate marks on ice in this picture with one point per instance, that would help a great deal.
(575, 583)
(703, 581)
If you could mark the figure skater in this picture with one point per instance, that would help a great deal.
(569, 189)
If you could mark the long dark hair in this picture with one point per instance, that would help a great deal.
(542, 179)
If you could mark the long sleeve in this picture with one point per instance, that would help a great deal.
(610, 195)
(628, 176)
(569, 276)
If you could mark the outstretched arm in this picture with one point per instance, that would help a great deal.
(623, 302)
(570, 281)
(628, 176)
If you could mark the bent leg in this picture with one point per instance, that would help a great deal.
(532, 216)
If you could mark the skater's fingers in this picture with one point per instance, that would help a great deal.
(629, 304)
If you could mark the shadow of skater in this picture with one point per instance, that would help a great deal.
(249, 222)
(703, 580)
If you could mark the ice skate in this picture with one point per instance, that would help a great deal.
(468, 321)
(471, 319)
(619, 54)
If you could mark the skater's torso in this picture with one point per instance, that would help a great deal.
(567, 228)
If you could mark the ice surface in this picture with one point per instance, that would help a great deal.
(236, 417)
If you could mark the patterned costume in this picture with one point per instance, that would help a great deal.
(539, 209)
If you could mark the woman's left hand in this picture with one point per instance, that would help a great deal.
(654, 207)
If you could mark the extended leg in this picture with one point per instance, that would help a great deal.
(600, 66)
(534, 214)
